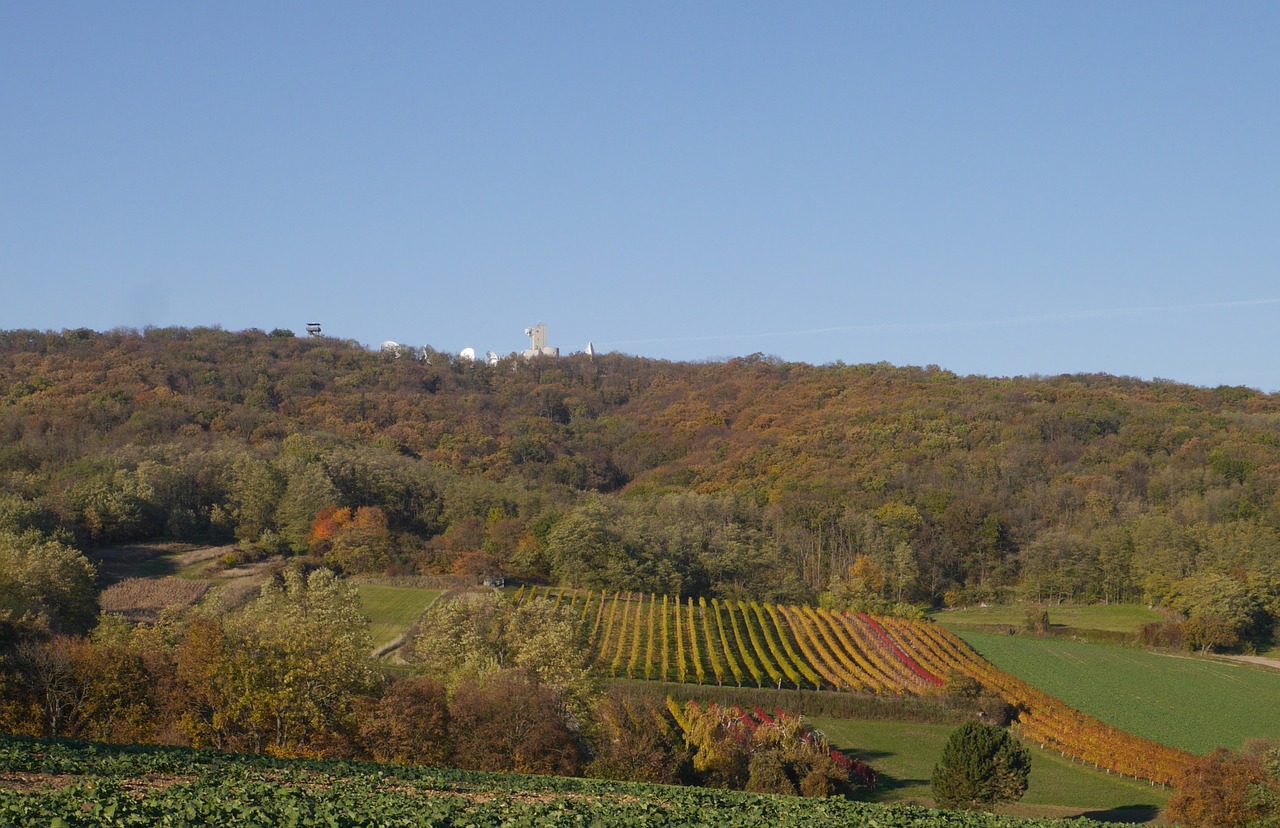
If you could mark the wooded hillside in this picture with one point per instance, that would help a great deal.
(748, 478)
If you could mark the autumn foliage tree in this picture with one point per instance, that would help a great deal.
(1230, 790)
(351, 540)
(74, 686)
(510, 722)
(408, 724)
(634, 739)
(280, 676)
(749, 478)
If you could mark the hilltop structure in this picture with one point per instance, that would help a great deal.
(538, 342)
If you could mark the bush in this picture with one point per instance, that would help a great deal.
(833, 704)
(964, 693)
(1167, 634)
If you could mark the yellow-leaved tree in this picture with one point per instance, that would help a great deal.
(279, 676)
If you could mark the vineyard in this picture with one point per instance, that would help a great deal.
(744, 643)
(87, 786)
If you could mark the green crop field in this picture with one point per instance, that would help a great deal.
(392, 609)
(58, 785)
(1192, 703)
(1117, 618)
(904, 753)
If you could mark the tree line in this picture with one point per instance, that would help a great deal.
(492, 686)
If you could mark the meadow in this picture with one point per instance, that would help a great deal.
(904, 754)
(1188, 702)
(392, 610)
(1111, 618)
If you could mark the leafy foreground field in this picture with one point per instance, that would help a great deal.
(89, 785)
(904, 754)
(1192, 703)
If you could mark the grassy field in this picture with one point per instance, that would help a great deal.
(1117, 618)
(904, 755)
(392, 609)
(1191, 703)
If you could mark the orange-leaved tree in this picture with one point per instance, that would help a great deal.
(351, 540)
(1226, 789)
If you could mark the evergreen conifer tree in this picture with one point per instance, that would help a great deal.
(981, 766)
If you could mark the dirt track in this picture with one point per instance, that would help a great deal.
(1273, 663)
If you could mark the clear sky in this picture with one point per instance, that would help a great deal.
(996, 188)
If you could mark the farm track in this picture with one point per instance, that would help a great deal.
(1273, 663)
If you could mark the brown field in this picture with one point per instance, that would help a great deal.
(143, 598)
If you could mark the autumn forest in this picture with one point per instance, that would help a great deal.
(872, 485)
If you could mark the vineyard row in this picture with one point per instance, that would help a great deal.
(743, 643)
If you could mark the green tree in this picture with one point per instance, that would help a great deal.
(906, 570)
(45, 584)
(308, 491)
(551, 645)
(462, 638)
(584, 544)
(1220, 610)
(256, 488)
(1208, 631)
(981, 766)
(480, 634)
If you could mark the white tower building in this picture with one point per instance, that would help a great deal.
(538, 342)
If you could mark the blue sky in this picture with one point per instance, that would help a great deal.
(996, 188)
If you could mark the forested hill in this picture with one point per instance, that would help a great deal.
(753, 476)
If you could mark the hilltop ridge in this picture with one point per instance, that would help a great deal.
(690, 478)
